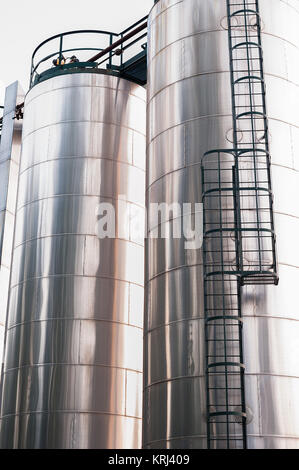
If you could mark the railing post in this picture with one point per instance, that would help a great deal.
(32, 69)
(122, 52)
(110, 54)
(60, 49)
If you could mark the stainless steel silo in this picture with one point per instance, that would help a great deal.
(189, 113)
(271, 327)
(73, 360)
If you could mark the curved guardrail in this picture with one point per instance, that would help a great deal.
(64, 52)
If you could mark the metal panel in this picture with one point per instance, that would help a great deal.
(71, 430)
(40, 299)
(184, 443)
(189, 113)
(73, 355)
(181, 343)
(74, 218)
(64, 388)
(74, 139)
(272, 301)
(270, 353)
(82, 176)
(167, 303)
(169, 414)
(88, 106)
(10, 148)
(183, 101)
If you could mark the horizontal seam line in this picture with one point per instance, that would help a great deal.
(58, 123)
(286, 214)
(199, 33)
(172, 379)
(80, 157)
(278, 436)
(76, 234)
(187, 121)
(198, 118)
(270, 316)
(182, 320)
(187, 266)
(270, 374)
(173, 269)
(22, 413)
(78, 195)
(176, 438)
(73, 319)
(117, 90)
(69, 364)
(51, 276)
(214, 72)
(43, 237)
(170, 172)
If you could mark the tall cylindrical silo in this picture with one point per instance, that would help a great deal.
(72, 376)
(190, 112)
(271, 326)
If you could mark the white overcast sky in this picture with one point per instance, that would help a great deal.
(26, 23)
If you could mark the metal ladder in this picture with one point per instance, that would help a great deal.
(256, 237)
(226, 411)
(239, 238)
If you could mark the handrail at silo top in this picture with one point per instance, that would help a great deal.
(124, 36)
(107, 50)
(68, 33)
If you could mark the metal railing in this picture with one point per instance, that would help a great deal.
(113, 52)
(111, 48)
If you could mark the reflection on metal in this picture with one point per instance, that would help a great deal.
(239, 238)
(189, 113)
(10, 148)
(216, 325)
(73, 358)
(183, 123)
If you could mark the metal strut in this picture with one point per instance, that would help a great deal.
(18, 114)
(1, 119)
(239, 238)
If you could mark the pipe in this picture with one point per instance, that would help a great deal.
(118, 43)
(18, 108)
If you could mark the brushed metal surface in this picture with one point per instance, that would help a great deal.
(271, 315)
(189, 113)
(70, 430)
(73, 359)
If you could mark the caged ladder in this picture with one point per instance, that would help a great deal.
(239, 245)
